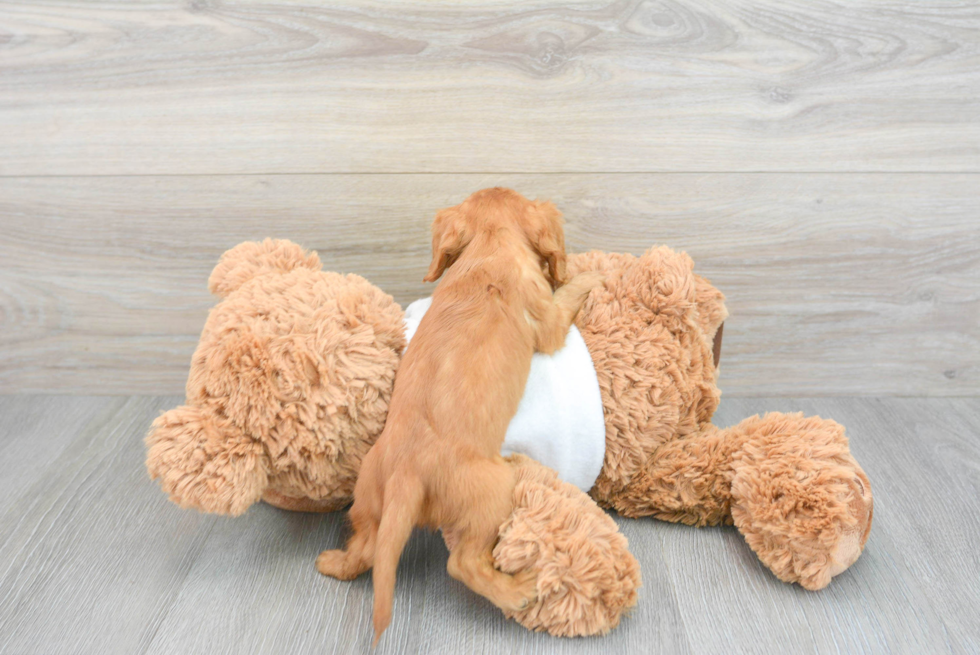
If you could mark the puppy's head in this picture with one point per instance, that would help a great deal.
(490, 210)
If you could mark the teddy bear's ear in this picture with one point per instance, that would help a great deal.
(246, 260)
(205, 462)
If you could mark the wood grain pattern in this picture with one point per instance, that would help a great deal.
(109, 87)
(850, 283)
(925, 516)
(35, 430)
(95, 558)
(84, 565)
(819, 160)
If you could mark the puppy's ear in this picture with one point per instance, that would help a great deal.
(449, 237)
(547, 237)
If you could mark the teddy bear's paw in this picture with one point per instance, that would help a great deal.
(800, 499)
(807, 547)
(558, 539)
(851, 541)
(204, 461)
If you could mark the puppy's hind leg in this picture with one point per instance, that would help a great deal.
(358, 556)
(471, 562)
(365, 517)
(486, 503)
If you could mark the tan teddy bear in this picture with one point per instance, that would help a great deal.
(290, 383)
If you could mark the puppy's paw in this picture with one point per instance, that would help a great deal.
(526, 590)
(573, 295)
(333, 563)
(587, 281)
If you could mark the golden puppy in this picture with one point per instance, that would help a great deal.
(437, 462)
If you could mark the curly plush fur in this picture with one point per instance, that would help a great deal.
(288, 389)
(788, 483)
(587, 577)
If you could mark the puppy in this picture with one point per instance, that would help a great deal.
(437, 463)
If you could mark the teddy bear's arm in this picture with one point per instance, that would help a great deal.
(205, 462)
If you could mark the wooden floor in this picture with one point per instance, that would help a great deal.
(93, 558)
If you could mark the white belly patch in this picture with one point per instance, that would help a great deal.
(559, 421)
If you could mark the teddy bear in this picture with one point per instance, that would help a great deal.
(290, 382)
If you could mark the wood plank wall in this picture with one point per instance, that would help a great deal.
(819, 160)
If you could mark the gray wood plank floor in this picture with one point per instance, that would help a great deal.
(93, 558)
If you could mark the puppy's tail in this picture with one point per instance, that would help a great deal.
(402, 504)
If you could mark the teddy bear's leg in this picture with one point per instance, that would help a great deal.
(204, 461)
(800, 499)
(686, 480)
(787, 482)
(586, 578)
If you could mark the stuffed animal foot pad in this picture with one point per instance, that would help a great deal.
(799, 497)
(586, 576)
